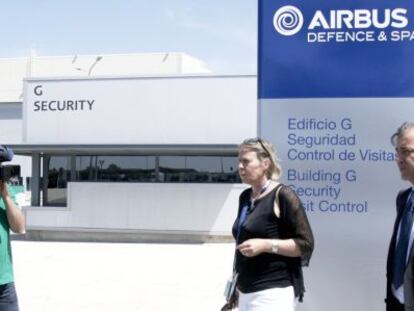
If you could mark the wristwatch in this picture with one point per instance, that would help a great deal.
(275, 246)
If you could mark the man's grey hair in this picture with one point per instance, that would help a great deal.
(400, 131)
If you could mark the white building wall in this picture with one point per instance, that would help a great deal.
(14, 70)
(148, 110)
(191, 65)
(158, 110)
(181, 208)
(11, 131)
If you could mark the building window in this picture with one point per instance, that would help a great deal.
(58, 170)
(56, 174)
(115, 168)
(199, 169)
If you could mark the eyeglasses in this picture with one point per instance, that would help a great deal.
(404, 151)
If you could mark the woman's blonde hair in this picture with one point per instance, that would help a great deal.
(264, 150)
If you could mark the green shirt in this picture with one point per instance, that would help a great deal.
(6, 263)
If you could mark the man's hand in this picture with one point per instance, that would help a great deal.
(15, 216)
(4, 191)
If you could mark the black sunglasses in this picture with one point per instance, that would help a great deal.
(263, 147)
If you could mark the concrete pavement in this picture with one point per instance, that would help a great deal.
(66, 276)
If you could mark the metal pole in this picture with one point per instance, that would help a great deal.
(35, 181)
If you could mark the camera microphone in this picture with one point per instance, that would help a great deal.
(7, 171)
(6, 153)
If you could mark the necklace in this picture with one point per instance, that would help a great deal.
(253, 199)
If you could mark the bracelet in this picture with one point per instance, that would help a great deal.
(275, 246)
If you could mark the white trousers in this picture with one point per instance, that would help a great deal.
(274, 299)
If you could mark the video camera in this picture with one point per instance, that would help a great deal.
(7, 171)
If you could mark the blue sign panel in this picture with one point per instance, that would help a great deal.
(334, 48)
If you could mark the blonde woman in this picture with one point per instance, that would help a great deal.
(272, 232)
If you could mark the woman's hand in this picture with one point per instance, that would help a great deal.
(254, 247)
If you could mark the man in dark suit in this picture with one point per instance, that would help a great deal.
(400, 261)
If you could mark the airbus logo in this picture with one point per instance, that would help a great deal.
(358, 25)
(288, 20)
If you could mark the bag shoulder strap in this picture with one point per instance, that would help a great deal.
(276, 205)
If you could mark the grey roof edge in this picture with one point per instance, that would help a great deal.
(126, 149)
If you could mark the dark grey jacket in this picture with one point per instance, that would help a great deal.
(409, 272)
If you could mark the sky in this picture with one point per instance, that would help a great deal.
(222, 33)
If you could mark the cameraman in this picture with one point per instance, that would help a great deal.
(11, 218)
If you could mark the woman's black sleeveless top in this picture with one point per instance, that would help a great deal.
(266, 270)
